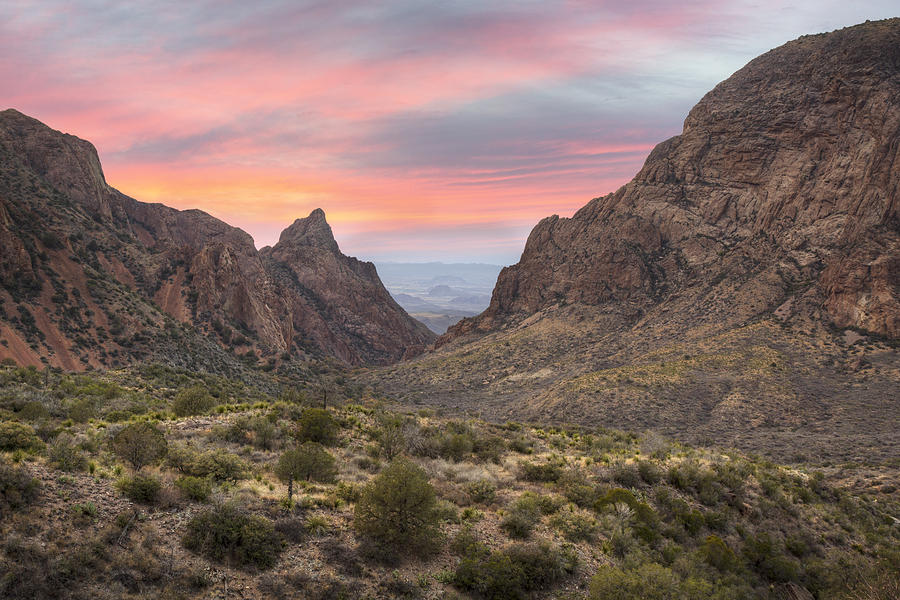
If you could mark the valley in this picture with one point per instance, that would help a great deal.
(687, 389)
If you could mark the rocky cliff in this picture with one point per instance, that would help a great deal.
(781, 197)
(91, 277)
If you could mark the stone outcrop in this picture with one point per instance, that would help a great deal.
(781, 196)
(91, 277)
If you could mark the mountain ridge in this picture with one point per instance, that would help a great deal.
(148, 269)
(789, 165)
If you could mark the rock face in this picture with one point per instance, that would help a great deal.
(91, 277)
(781, 196)
(337, 301)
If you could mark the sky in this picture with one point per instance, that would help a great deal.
(425, 130)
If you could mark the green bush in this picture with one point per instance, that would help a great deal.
(227, 533)
(65, 455)
(397, 511)
(626, 475)
(649, 472)
(18, 436)
(139, 444)
(763, 552)
(717, 553)
(265, 433)
(550, 471)
(317, 425)
(575, 486)
(512, 572)
(647, 525)
(216, 464)
(649, 581)
(308, 462)
(391, 434)
(17, 487)
(191, 401)
(195, 488)
(456, 446)
(140, 488)
(482, 491)
(521, 518)
(575, 525)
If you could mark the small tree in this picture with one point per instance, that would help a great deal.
(140, 444)
(190, 401)
(308, 462)
(392, 435)
(398, 510)
(317, 425)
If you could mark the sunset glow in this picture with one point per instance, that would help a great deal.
(424, 130)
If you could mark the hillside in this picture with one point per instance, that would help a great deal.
(482, 511)
(743, 287)
(92, 278)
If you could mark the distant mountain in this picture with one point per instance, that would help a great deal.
(447, 280)
(91, 277)
(444, 291)
(440, 294)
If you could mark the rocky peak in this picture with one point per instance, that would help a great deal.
(124, 269)
(780, 197)
(314, 230)
(65, 161)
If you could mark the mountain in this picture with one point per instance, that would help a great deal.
(93, 278)
(782, 193)
(745, 283)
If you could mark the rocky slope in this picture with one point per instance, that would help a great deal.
(781, 196)
(91, 277)
(744, 287)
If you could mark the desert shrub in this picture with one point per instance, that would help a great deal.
(317, 425)
(392, 434)
(626, 475)
(227, 533)
(310, 461)
(292, 529)
(763, 553)
(692, 521)
(456, 446)
(238, 432)
(646, 526)
(191, 401)
(512, 572)
(521, 445)
(550, 471)
(482, 491)
(82, 410)
(649, 472)
(522, 516)
(717, 553)
(489, 447)
(195, 488)
(575, 486)
(575, 525)
(140, 488)
(17, 487)
(347, 491)
(397, 511)
(65, 455)
(33, 411)
(216, 464)
(265, 433)
(18, 436)
(649, 581)
(139, 444)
